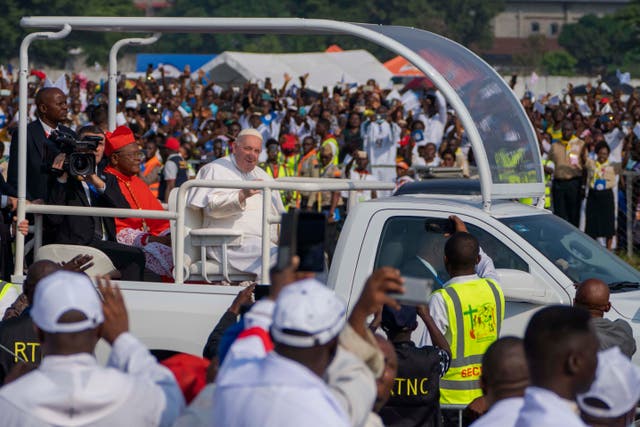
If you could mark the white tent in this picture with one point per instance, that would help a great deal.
(324, 68)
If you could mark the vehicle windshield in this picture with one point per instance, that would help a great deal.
(576, 254)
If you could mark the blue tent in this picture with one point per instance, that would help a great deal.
(178, 60)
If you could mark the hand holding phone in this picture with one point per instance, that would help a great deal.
(302, 234)
(417, 291)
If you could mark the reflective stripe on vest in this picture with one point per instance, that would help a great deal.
(6, 286)
(475, 310)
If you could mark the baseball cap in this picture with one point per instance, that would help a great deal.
(616, 388)
(61, 292)
(172, 144)
(307, 314)
(131, 103)
(397, 320)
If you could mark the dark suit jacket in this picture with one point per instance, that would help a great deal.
(80, 230)
(40, 154)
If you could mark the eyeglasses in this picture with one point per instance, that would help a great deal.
(134, 155)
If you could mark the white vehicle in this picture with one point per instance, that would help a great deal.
(538, 256)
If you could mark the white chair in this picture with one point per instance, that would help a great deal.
(198, 239)
(62, 253)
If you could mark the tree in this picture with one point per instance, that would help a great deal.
(534, 47)
(595, 42)
(95, 45)
(466, 21)
(558, 63)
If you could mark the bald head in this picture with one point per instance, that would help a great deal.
(504, 370)
(52, 107)
(593, 294)
(37, 271)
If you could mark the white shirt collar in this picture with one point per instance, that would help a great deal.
(47, 129)
(461, 279)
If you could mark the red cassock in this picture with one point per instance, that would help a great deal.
(138, 195)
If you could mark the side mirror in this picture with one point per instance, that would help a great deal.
(520, 286)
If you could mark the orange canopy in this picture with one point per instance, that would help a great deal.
(401, 67)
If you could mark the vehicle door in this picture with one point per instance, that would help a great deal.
(405, 235)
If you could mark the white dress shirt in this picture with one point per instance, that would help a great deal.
(543, 407)
(503, 413)
(76, 391)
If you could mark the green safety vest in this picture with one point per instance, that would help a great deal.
(475, 310)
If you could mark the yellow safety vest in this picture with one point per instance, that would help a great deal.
(332, 140)
(475, 310)
(5, 288)
(284, 195)
(547, 191)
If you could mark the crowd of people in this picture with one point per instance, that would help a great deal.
(297, 357)
(586, 137)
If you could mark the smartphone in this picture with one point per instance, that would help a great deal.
(440, 225)
(417, 291)
(302, 234)
(261, 291)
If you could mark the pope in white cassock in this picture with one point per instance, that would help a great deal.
(238, 209)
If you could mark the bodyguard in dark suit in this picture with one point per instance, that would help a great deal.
(96, 190)
(52, 110)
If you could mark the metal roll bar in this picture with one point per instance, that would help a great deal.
(178, 214)
(22, 128)
(113, 71)
(267, 187)
(285, 26)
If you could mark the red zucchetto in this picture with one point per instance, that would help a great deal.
(117, 139)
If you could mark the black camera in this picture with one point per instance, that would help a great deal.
(80, 154)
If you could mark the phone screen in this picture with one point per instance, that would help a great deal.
(286, 243)
(302, 234)
(417, 291)
(310, 241)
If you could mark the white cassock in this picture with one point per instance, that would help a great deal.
(380, 144)
(362, 195)
(222, 209)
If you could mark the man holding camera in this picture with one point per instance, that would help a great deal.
(91, 190)
(52, 110)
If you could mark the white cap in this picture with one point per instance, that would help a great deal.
(131, 103)
(250, 132)
(63, 291)
(307, 314)
(617, 385)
